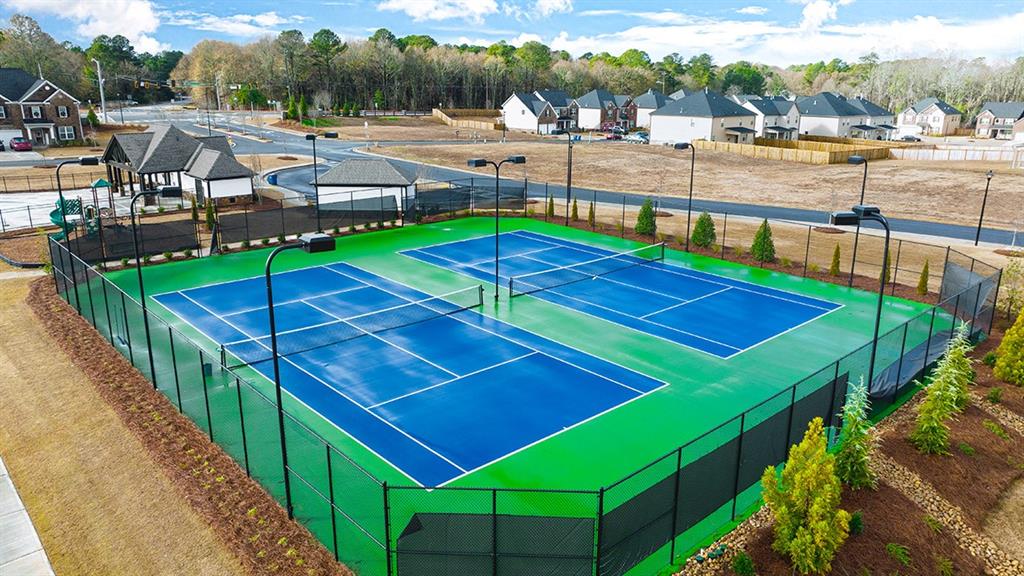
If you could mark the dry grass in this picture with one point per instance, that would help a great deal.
(904, 189)
(263, 162)
(1003, 525)
(404, 128)
(101, 134)
(99, 502)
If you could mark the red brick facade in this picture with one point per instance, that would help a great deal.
(47, 116)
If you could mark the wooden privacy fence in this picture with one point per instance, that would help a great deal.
(959, 153)
(812, 153)
(858, 142)
(452, 118)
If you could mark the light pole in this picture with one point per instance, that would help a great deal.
(854, 161)
(689, 201)
(103, 98)
(84, 161)
(856, 216)
(316, 180)
(480, 163)
(142, 288)
(312, 244)
(568, 181)
(984, 200)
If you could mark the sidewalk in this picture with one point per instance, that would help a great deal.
(21, 553)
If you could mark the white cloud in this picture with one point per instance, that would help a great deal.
(600, 12)
(421, 10)
(245, 25)
(136, 20)
(753, 10)
(546, 8)
(818, 12)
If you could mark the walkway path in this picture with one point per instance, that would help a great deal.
(21, 552)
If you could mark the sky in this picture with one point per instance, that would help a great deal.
(776, 32)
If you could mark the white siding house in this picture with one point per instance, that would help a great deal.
(646, 103)
(366, 185)
(526, 112)
(775, 118)
(702, 116)
(929, 116)
(830, 114)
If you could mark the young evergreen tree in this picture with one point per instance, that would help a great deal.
(195, 210)
(303, 108)
(833, 269)
(645, 225)
(763, 248)
(591, 217)
(809, 524)
(1010, 355)
(355, 110)
(211, 218)
(856, 440)
(575, 211)
(959, 363)
(922, 282)
(292, 112)
(91, 118)
(551, 207)
(886, 273)
(943, 398)
(704, 231)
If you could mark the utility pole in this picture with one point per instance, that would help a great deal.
(103, 99)
(217, 90)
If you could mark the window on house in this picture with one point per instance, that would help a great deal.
(62, 111)
(66, 132)
(3, 112)
(36, 112)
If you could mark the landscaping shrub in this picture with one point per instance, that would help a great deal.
(995, 395)
(591, 218)
(575, 211)
(168, 256)
(124, 262)
(704, 231)
(931, 432)
(898, 553)
(966, 449)
(1010, 355)
(959, 366)
(210, 217)
(989, 359)
(645, 225)
(551, 207)
(763, 248)
(922, 282)
(932, 523)
(995, 428)
(856, 523)
(743, 565)
(886, 273)
(943, 566)
(187, 252)
(804, 502)
(833, 269)
(195, 210)
(856, 440)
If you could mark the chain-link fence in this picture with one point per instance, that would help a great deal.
(663, 509)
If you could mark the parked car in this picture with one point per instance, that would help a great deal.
(637, 138)
(2, 148)
(20, 144)
(613, 136)
(618, 130)
(910, 138)
(557, 132)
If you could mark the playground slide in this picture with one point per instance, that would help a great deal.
(58, 222)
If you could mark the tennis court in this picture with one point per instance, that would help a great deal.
(636, 289)
(427, 384)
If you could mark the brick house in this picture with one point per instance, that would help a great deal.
(996, 119)
(601, 110)
(36, 109)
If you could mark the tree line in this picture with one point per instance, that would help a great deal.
(415, 72)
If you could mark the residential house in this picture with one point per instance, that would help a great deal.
(601, 110)
(646, 103)
(831, 114)
(525, 111)
(217, 175)
(680, 94)
(1018, 131)
(703, 115)
(775, 118)
(37, 109)
(160, 156)
(929, 116)
(367, 186)
(561, 102)
(997, 119)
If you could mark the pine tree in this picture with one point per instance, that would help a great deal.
(346, 109)
(704, 231)
(211, 218)
(958, 362)
(591, 217)
(355, 110)
(575, 211)
(551, 207)
(833, 269)
(292, 112)
(886, 273)
(645, 225)
(195, 210)
(91, 118)
(303, 108)
(763, 248)
(1010, 355)
(857, 440)
(922, 282)
(809, 525)
(931, 432)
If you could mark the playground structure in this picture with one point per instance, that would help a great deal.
(88, 219)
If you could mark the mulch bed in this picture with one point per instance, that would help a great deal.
(1012, 397)
(26, 247)
(973, 481)
(240, 511)
(889, 517)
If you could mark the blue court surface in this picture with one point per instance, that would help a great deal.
(706, 312)
(429, 385)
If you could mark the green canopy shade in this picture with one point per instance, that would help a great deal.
(100, 183)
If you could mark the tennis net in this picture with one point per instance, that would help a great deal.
(251, 351)
(562, 275)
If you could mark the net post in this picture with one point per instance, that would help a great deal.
(725, 228)
(241, 421)
(600, 522)
(807, 250)
(223, 355)
(511, 292)
(494, 532)
(995, 302)
(661, 252)
(206, 395)
(330, 495)
(739, 461)
(899, 365)
(174, 367)
(480, 292)
(387, 527)
(675, 505)
(127, 330)
(896, 268)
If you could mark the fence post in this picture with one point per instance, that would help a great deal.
(127, 330)
(330, 495)
(896, 268)
(245, 221)
(600, 522)
(956, 309)
(995, 303)
(92, 309)
(593, 202)
(739, 461)
(970, 333)
(206, 395)
(106, 305)
(387, 528)
(899, 365)
(675, 505)
(380, 210)
(622, 225)
(807, 250)
(352, 209)
(174, 366)
(241, 422)
(928, 342)
(725, 228)
(945, 263)
(3, 225)
(789, 420)
(494, 532)
(29, 210)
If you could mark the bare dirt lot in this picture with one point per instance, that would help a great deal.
(938, 191)
(403, 128)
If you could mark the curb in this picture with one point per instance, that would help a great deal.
(17, 264)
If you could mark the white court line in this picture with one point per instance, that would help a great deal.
(684, 303)
(605, 277)
(321, 381)
(295, 300)
(467, 375)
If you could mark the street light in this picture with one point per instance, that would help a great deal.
(84, 161)
(316, 181)
(984, 200)
(568, 181)
(480, 163)
(312, 244)
(689, 201)
(142, 288)
(859, 214)
(854, 161)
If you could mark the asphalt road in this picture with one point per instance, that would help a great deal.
(329, 152)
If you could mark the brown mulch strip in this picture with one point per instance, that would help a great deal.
(241, 512)
(889, 517)
(828, 230)
(1009, 253)
(973, 482)
(28, 248)
(1012, 396)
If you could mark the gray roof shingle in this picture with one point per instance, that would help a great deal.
(598, 98)
(651, 100)
(923, 104)
(370, 172)
(706, 104)
(212, 164)
(557, 98)
(826, 104)
(1013, 110)
(531, 101)
(15, 83)
(868, 107)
